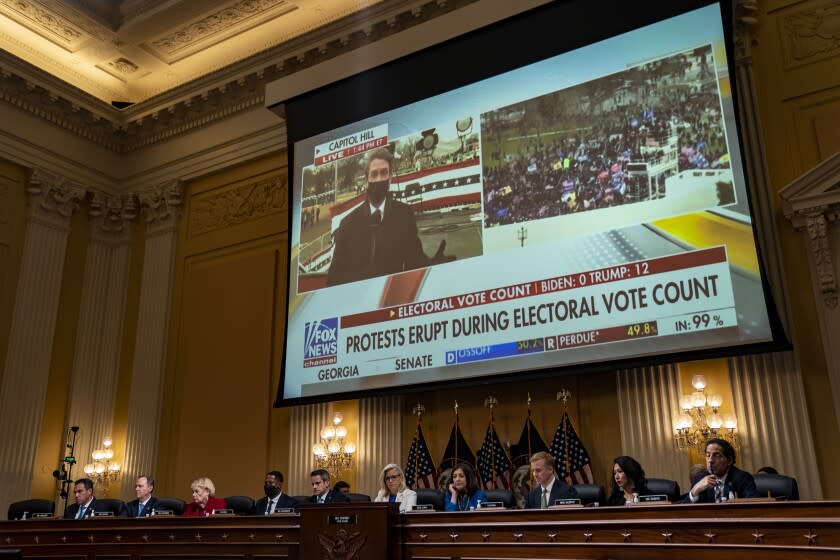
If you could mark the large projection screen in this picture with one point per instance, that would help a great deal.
(594, 203)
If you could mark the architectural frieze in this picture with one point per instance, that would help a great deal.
(218, 94)
(244, 203)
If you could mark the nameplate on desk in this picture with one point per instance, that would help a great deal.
(42, 516)
(157, 512)
(224, 511)
(567, 502)
(342, 519)
(283, 510)
(103, 514)
(661, 498)
(492, 505)
(423, 507)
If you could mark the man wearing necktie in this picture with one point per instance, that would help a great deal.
(723, 481)
(549, 488)
(145, 502)
(274, 498)
(85, 501)
(321, 493)
(379, 236)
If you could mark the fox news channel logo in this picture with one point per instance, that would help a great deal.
(320, 343)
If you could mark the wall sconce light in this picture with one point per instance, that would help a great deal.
(700, 420)
(333, 453)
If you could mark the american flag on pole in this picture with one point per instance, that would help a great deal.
(420, 470)
(572, 460)
(494, 466)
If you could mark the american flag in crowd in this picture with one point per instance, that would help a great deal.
(420, 471)
(494, 465)
(572, 462)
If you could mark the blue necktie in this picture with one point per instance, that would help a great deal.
(140, 510)
(81, 512)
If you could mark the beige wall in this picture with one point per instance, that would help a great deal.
(797, 70)
(226, 326)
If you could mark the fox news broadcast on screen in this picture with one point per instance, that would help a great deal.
(586, 208)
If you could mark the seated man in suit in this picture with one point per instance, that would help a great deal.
(724, 480)
(145, 502)
(321, 493)
(274, 499)
(85, 501)
(549, 487)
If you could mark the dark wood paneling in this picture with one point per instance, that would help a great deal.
(733, 531)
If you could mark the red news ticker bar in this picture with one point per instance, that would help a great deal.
(594, 277)
(595, 336)
(351, 150)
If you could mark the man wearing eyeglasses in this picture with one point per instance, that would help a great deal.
(724, 481)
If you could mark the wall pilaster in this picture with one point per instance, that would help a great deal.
(52, 200)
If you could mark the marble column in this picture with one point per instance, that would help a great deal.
(95, 375)
(160, 209)
(51, 204)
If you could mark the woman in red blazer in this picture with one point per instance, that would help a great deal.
(203, 503)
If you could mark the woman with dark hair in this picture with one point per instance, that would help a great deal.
(628, 479)
(464, 493)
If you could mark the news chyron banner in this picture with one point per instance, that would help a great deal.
(682, 294)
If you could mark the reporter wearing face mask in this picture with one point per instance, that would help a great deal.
(379, 236)
(274, 498)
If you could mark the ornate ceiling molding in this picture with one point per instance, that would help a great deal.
(216, 95)
(217, 26)
(59, 31)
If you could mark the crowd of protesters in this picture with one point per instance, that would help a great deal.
(569, 151)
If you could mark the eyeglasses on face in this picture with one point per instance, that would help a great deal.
(390, 478)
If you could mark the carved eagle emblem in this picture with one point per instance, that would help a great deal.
(342, 546)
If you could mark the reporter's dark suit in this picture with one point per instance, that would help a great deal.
(559, 491)
(73, 509)
(741, 483)
(399, 248)
(331, 498)
(132, 507)
(284, 501)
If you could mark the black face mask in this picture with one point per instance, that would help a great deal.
(270, 490)
(377, 190)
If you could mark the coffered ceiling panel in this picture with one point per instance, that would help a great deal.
(133, 50)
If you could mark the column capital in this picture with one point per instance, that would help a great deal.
(112, 217)
(161, 205)
(53, 199)
(745, 21)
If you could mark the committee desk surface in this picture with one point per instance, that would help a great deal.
(743, 529)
